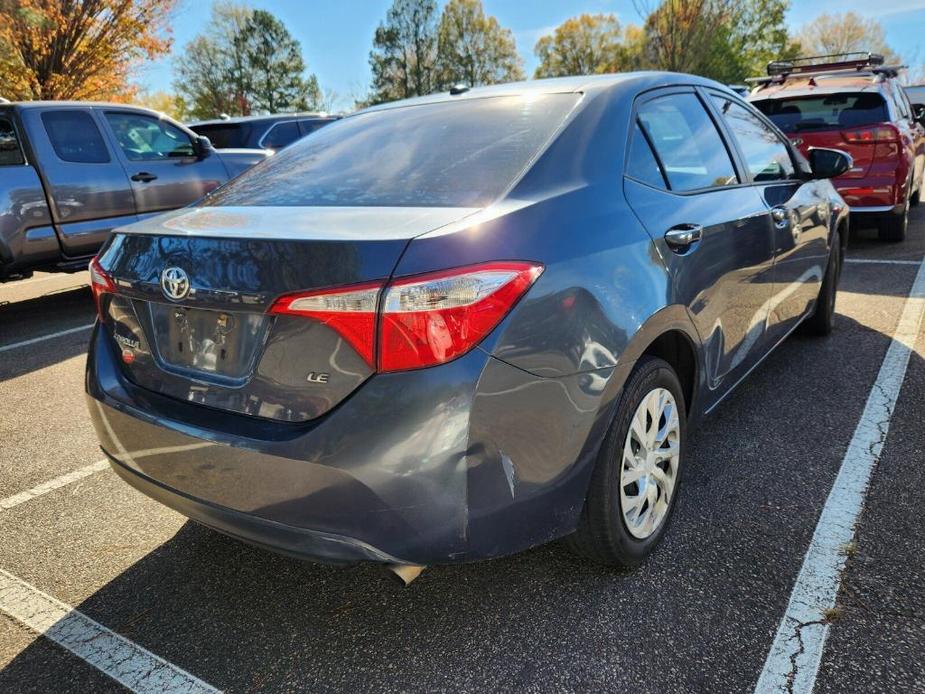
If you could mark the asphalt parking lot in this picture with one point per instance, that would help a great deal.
(700, 615)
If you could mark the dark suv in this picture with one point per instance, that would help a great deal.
(852, 102)
(263, 132)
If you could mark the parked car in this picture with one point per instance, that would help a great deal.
(458, 326)
(265, 132)
(853, 102)
(71, 171)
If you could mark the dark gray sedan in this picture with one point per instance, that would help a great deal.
(455, 327)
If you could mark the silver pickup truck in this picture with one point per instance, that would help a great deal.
(72, 171)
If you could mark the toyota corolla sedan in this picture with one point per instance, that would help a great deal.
(458, 326)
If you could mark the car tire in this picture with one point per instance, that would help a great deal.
(614, 528)
(822, 320)
(893, 227)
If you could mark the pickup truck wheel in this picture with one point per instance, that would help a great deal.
(893, 227)
(634, 487)
(822, 320)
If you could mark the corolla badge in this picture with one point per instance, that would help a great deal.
(175, 283)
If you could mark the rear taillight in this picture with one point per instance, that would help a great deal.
(100, 283)
(423, 320)
(434, 318)
(871, 134)
(351, 311)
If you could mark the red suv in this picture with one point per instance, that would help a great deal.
(852, 102)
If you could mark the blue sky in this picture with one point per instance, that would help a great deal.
(336, 34)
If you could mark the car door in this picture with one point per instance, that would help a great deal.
(89, 193)
(797, 214)
(161, 161)
(708, 225)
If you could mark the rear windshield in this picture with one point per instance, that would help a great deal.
(824, 111)
(224, 135)
(446, 154)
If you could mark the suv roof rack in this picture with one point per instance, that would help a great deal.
(858, 62)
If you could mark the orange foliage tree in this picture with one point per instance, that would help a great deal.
(78, 49)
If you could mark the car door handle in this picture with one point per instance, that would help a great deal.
(144, 177)
(681, 237)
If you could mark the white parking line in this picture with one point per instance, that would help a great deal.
(114, 655)
(34, 340)
(51, 485)
(793, 661)
(884, 261)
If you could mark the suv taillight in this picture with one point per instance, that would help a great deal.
(100, 283)
(871, 134)
(423, 320)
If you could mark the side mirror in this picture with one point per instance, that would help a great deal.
(202, 146)
(829, 163)
(918, 113)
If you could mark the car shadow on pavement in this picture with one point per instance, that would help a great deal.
(244, 619)
(39, 317)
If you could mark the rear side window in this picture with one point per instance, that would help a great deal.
(766, 156)
(825, 111)
(280, 135)
(642, 164)
(10, 151)
(146, 138)
(446, 154)
(75, 137)
(688, 144)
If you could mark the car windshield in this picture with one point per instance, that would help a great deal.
(447, 154)
(824, 111)
(224, 135)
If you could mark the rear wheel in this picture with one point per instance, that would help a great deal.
(893, 227)
(822, 320)
(634, 487)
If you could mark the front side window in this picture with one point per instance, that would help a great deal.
(280, 135)
(146, 138)
(310, 125)
(824, 112)
(688, 144)
(10, 151)
(445, 154)
(766, 156)
(75, 137)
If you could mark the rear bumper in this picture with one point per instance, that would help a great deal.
(277, 537)
(465, 461)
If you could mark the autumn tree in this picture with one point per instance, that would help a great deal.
(585, 45)
(726, 40)
(78, 49)
(844, 33)
(403, 59)
(245, 61)
(473, 48)
(162, 102)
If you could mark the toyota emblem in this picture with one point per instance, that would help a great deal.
(175, 283)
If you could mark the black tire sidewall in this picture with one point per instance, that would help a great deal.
(650, 373)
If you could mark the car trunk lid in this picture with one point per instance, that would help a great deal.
(190, 315)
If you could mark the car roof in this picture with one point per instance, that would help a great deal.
(614, 82)
(820, 84)
(78, 104)
(301, 115)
